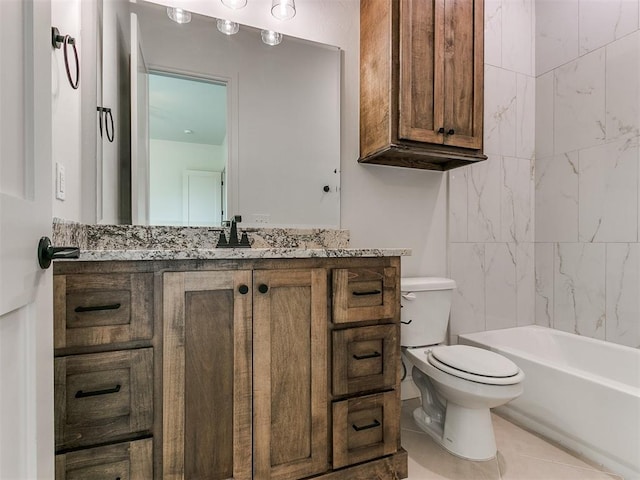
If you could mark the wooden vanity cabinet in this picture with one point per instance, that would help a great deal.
(421, 82)
(254, 375)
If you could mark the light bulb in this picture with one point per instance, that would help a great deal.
(179, 15)
(283, 9)
(235, 4)
(270, 37)
(227, 26)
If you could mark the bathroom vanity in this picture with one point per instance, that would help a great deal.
(229, 364)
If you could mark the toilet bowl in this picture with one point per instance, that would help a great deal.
(459, 384)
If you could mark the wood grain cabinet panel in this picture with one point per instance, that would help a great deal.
(365, 428)
(103, 397)
(124, 461)
(290, 373)
(365, 358)
(102, 309)
(207, 375)
(364, 294)
(421, 82)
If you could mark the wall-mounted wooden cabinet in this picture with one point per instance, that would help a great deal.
(421, 82)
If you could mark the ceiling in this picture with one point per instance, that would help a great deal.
(177, 104)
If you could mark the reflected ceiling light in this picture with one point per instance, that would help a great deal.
(283, 9)
(188, 132)
(227, 26)
(179, 15)
(235, 4)
(271, 38)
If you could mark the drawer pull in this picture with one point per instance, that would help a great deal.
(370, 292)
(375, 424)
(368, 355)
(106, 391)
(113, 306)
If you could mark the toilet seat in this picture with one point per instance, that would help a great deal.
(475, 364)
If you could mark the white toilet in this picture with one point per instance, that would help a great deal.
(458, 383)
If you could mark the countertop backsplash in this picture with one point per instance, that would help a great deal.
(145, 237)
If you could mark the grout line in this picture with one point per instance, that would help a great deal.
(585, 467)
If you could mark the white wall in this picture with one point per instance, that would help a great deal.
(588, 168)
(66, 121)
(491, 246)
(168, 161)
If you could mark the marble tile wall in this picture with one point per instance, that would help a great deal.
(491, 222)
(587, 168)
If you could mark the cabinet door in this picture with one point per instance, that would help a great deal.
(441, 72)
(421, 70)
(290, 373)
(463, 72)
(207, 375)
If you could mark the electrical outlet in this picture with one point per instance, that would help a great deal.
(60, 181)
(261, 218)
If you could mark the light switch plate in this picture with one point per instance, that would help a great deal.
(60, 181)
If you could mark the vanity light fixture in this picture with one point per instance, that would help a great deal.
(235, 4)
(227, 26)
(179, 15)
(270, 37)
(283, 9)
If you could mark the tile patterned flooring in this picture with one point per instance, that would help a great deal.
(521, 456)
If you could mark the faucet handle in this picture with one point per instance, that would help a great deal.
(222, 241)
(244, 240)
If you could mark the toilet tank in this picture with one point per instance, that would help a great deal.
(426, 303)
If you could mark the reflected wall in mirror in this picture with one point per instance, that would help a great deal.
(268, 149)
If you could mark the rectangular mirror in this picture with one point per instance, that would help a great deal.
(208, 125)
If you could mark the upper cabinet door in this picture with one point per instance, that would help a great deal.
(463, 58)
(422, 70)
(441, 72)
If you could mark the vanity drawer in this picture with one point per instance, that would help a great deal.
(362, 294)
(101, 397)
(365, 358)
(124, 461)
(100, 309)
(365, 428)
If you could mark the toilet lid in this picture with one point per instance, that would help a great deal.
(476, 362)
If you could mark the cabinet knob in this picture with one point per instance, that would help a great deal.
(451, 131)
(263, 288)
(441, 130)
(243, 289)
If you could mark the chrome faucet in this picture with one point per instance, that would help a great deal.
(233, 235)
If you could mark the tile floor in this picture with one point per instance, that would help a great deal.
(521, 456)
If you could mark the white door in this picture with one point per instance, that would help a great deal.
(201, 204)
(26, 326)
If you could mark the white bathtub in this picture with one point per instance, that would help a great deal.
(582, 393)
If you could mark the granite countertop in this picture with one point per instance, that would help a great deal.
(137, 242)
(238, 253)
